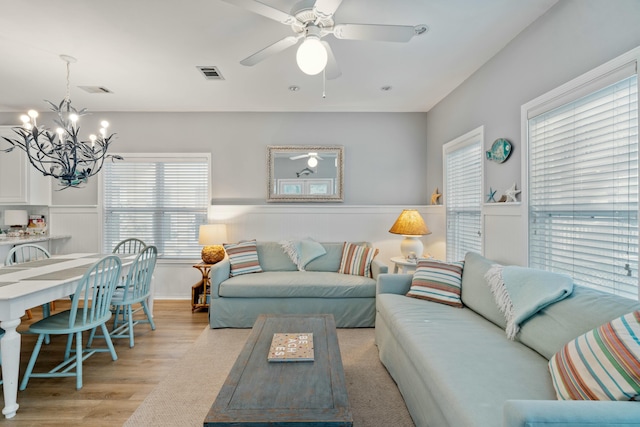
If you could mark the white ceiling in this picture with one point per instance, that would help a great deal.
(146, 52)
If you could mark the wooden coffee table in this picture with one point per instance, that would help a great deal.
(260, 393)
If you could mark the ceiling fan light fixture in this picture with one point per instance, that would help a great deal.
(312, 56)
(312, 162)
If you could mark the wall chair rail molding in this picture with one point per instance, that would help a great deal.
(328, 223)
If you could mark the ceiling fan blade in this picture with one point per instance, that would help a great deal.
(325, 9)
(332, 71)
(384, 33)
(277, 47)
(302, 156)
(264, 10)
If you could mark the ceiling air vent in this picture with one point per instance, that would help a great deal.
(210, 72)
(95, 89)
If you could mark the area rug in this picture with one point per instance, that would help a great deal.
(184, 397)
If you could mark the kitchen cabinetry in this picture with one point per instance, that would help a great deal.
(20, 182)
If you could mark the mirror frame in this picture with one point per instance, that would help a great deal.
(272, 150)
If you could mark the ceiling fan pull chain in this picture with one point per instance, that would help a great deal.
(324, 82)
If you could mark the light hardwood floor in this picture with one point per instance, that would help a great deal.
(112, 390)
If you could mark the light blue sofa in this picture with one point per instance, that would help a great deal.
(455, 366)
(237, 301)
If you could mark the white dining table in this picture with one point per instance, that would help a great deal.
(28, 285)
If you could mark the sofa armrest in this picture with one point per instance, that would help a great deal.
(574, 413)
(378, 267)
(393, 283)
(218, 274)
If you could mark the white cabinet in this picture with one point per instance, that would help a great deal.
(20, 182)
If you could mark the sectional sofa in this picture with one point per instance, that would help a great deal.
(456, 367)
(279, 287)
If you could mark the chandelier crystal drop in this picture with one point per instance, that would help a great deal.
(62, 154)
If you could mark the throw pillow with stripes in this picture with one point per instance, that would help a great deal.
(603, 364)
(243, 257)
(437, 281)
(356, 259)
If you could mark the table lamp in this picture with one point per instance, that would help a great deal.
(16, 218)
(411, 225)
(212, 235)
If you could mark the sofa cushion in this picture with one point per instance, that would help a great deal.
(437, 281)
(603, 364)
(330, 261)
(304, 284)
(475, 291)
(465, 362)
(273, 258)
(585, 309)
(356, 259)
(243, 257)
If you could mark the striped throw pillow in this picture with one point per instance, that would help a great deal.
(603, 364)
(437, 281)
(356, 259)
(243, 257)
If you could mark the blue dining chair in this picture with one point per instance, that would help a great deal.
(25, 253)
(129, 246)
(95, 291)
(136, 290)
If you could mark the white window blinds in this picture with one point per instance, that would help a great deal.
(161, 201)
(463, 197)
(583, 187)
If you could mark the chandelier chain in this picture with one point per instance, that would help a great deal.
(68, 95)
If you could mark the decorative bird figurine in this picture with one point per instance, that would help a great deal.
(435, 196)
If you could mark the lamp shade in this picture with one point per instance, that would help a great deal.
(212, 234)
(410, 223)
(16, 217)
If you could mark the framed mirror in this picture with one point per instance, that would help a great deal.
(305, 173)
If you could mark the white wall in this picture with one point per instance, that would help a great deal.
(572, 38)
(388, 163)
(385, 153)
(384, 173)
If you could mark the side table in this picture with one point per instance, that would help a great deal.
(201, 291)
(404, 265)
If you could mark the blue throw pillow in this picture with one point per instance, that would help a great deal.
(303, 251)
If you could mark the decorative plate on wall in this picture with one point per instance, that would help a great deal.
(500, 150)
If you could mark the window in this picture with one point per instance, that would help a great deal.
(583, 180)
(463, 194)
(160, 200)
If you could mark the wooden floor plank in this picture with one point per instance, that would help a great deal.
(112, 389)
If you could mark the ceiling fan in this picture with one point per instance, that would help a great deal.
(303, 156)
(313, 158)
(311, 20)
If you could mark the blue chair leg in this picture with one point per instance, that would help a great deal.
(91, 336)
(145, 307)
(32, 362)
(67, 351)
(107, 338)
(130, 319)
(115, 319)
(78, 360)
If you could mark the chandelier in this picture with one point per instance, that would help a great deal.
(62, 154)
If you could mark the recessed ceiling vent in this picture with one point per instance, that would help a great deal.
(95, 89)
(210, 72)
